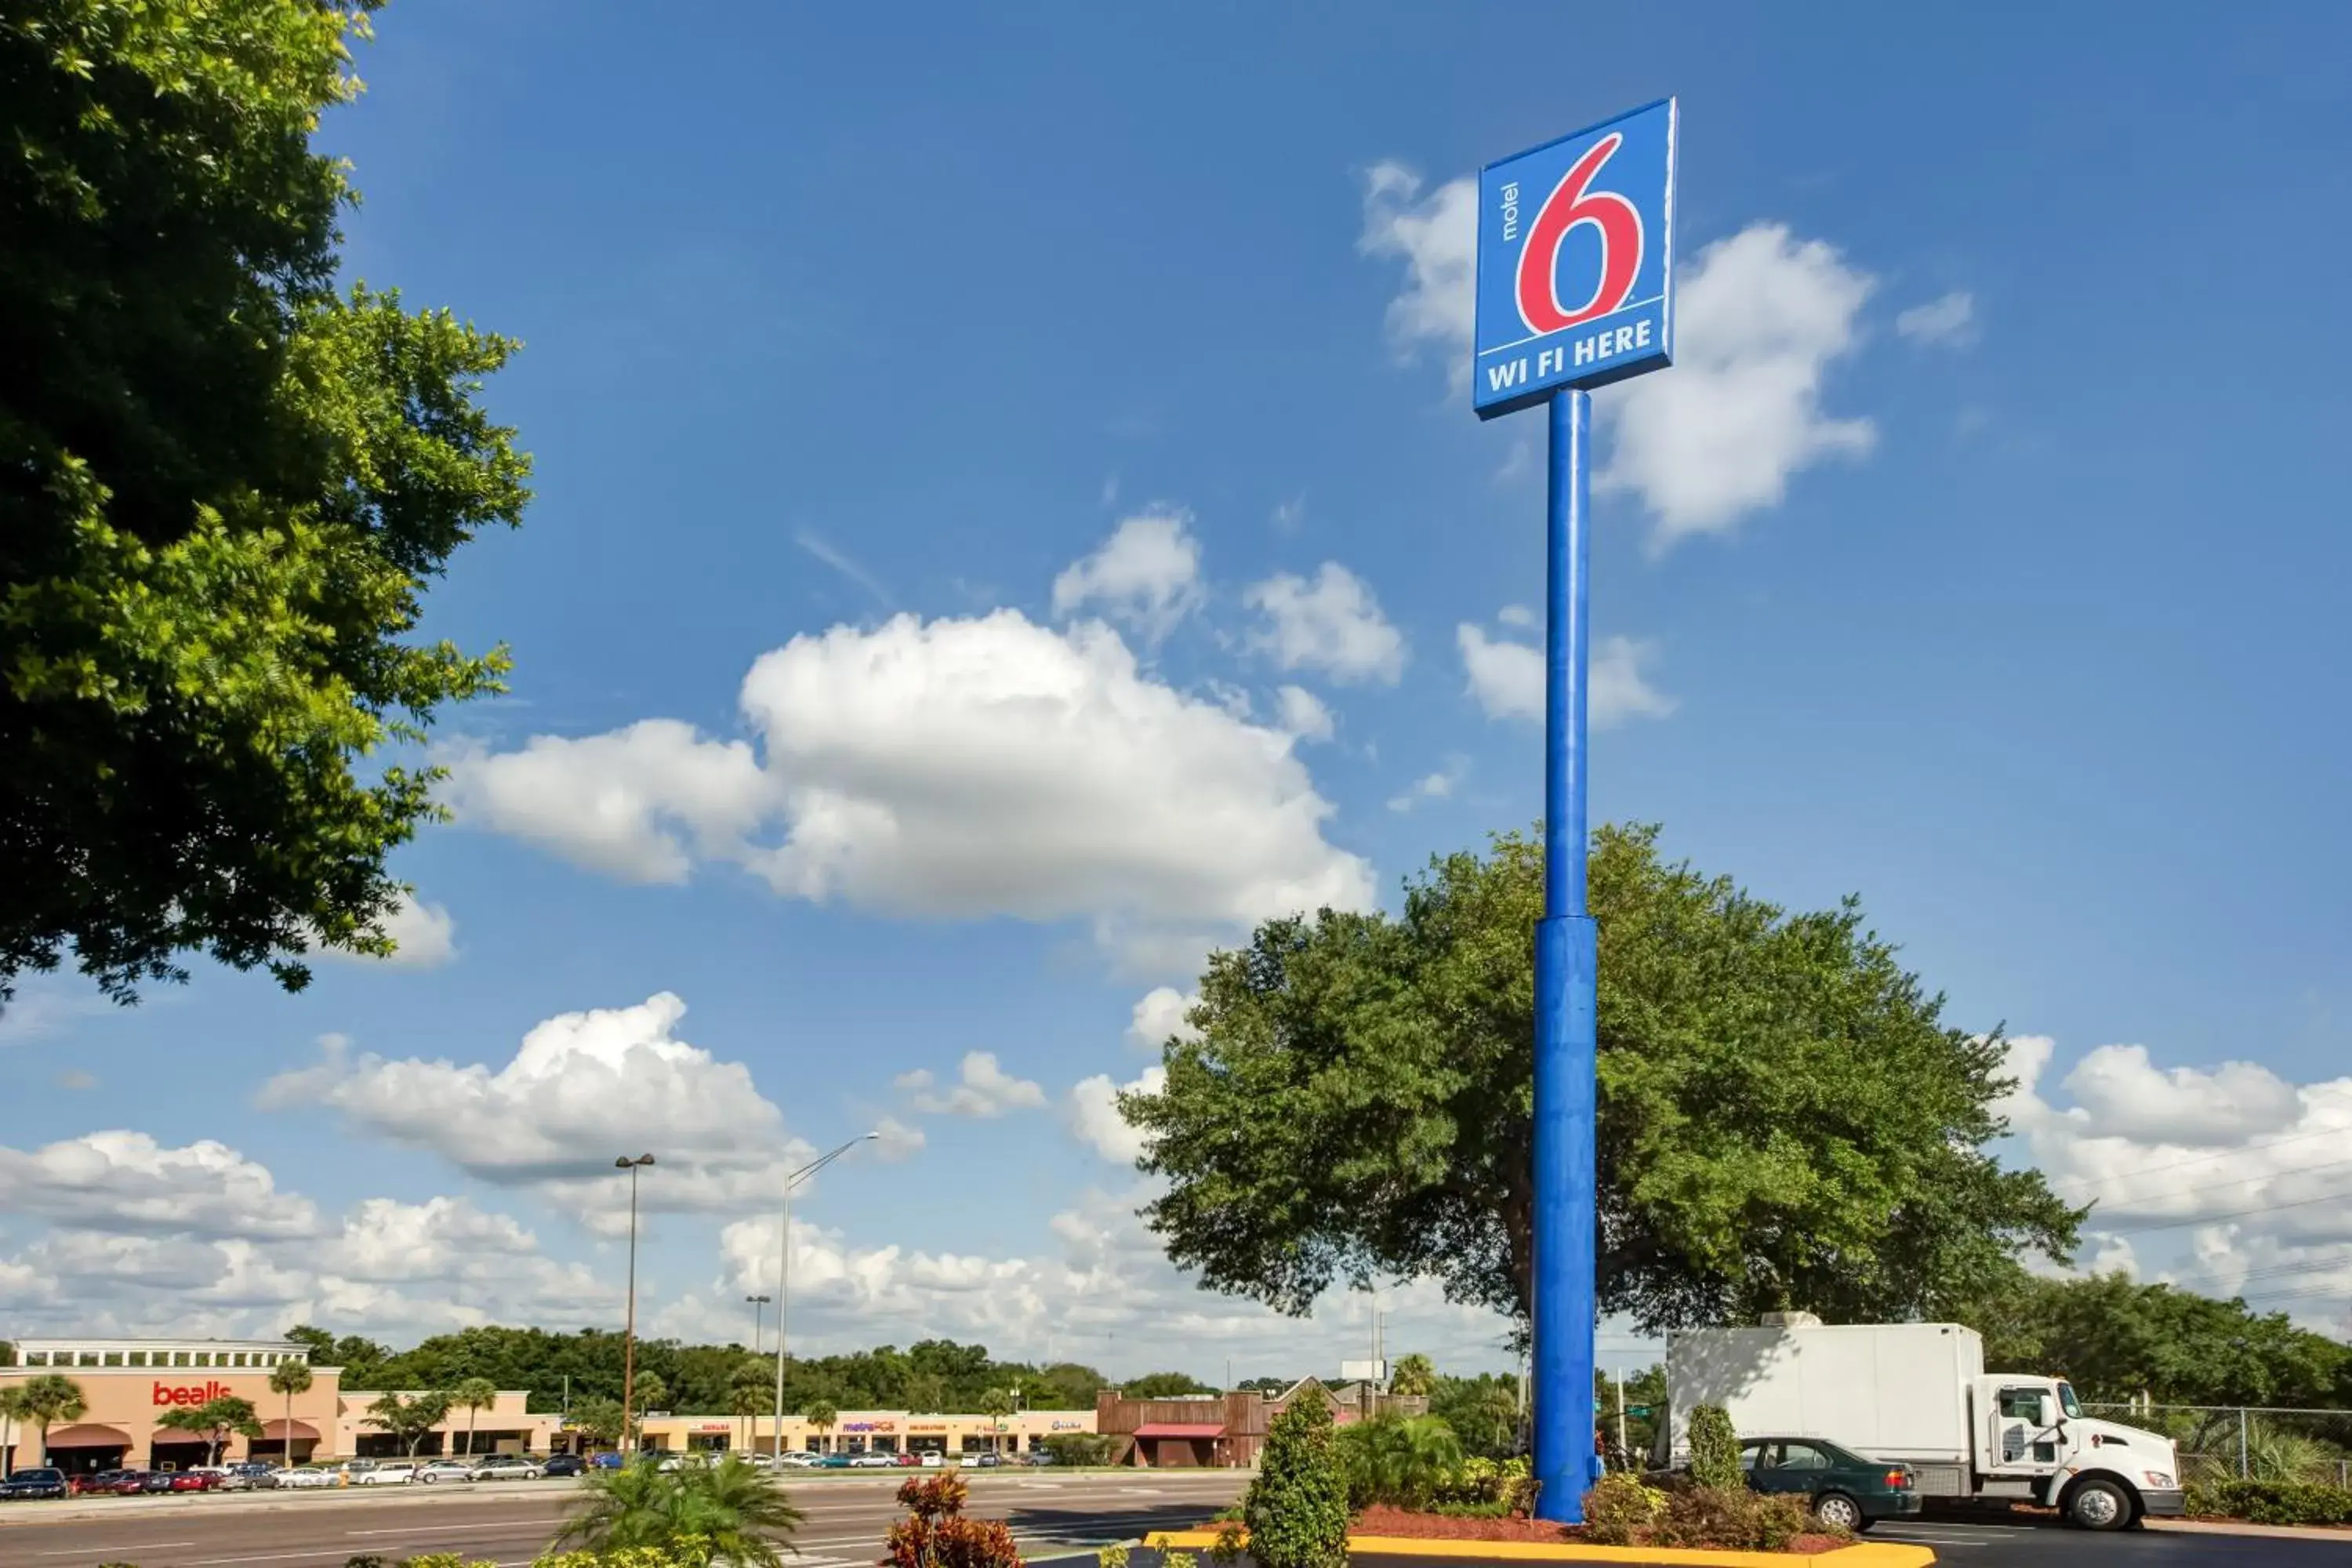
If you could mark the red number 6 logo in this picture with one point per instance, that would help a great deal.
(1621, 246)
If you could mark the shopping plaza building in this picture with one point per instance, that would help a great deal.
(128, 1385)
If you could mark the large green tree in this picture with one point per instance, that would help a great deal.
(1785, 1120)
(2117, 1339)
(226, 481)
(410, 1419)
(216, 1420)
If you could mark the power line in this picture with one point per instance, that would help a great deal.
(2233, 1182)
(2231, 1214)
(2201, 1159)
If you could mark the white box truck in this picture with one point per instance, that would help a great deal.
(1918, 1394)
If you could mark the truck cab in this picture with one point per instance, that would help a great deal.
(2098, 1474)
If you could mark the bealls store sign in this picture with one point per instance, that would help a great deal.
(190, 1392)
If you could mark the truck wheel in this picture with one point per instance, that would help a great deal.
(2098, 1505)
(1839, 1512)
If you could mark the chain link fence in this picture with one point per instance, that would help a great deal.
(2247, 1442)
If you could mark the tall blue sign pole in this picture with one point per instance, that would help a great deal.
(1575, 280)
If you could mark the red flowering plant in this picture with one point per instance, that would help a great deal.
(935, 1534)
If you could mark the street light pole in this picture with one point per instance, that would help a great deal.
(784, 1266)
(629, 1334)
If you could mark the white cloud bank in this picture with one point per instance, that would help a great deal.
(2239, 1171)
(955, 767)
(1760, 318)
(149, 1238)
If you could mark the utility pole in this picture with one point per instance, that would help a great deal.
(1626, 1455)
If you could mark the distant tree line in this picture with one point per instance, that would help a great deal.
(930, 1375)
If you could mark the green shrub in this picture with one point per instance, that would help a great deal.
(1618, 1507)
(1079, 1449)
(1474, 1481)
(1296, 1508)
(1398, 1460)
(1111, 1557)
(1714, 1450)
(1730, 1518)
(935, 1534)
(2273, 1502)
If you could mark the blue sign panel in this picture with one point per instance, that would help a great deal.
(1576, 262)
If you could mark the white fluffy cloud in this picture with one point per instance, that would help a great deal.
(122, 1182)
(1950, 321)
(637, 803)
(1332, 622)
(1147, 573)
(2230, 1171)
(1095, 1117)
(1439, 785)
(1302, 713)
(424, 937)
(1760, 317)
(1436, 237)
(145, 1238)
(983, 1089)
(1160, 1013)
(1508, 678)
(582, 1089)
(956, 767)
(1102, 1291)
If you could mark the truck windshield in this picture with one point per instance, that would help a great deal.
(2068, 1403)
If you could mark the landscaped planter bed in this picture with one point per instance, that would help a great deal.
(1398, 1523)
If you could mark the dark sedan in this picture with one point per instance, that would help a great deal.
(1842, 1488)
(37, 1481)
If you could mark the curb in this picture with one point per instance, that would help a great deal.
(2246, 1527)
(1861, 1554)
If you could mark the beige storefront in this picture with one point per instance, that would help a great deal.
(868, 1431)
(128, 1385)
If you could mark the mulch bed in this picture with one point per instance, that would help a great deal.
(1383, 1519)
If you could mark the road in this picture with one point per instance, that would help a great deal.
(511, 1523)
(2025, 1541)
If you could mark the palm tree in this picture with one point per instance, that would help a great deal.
(50, 1398)
(1415, 1374)
(996, 1404)
(737, 1512)
(289, 1378)
(213, 1421)
(473, 1395)
(746, 1400)
(821, 1416)
(12, 1411)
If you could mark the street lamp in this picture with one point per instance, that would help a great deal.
(784, 1266)
(629, 1334)
(757, 1302)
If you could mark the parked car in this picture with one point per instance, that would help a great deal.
(441, 1470)
(983, 1461)
(508, 1468)
(873, 1462)
(834, 1461)
(195, 1479)
(40, 1481)
(563, 1464)
(155, 1480)
(1042, 1458)
(1845, 1488)
(255, 1474)
(933, 1459)
(390, 1473)
(908, 1457)
(96, 1483)
(309, 1477)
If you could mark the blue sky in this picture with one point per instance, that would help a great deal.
(1981, 556)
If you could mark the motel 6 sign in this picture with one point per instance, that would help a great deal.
(1576, 262)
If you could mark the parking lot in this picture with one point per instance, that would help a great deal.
(2035, 1542)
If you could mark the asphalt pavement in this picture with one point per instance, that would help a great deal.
(511, 1523)
(2033, 1542)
